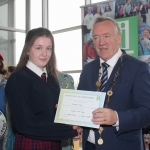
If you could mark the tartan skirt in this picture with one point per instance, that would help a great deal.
(24, 143)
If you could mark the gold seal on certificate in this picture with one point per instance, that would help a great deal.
(100, 141)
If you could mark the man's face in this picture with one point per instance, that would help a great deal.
(89, 10)
(106, 40)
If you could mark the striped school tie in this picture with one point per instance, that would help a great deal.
(104, 76)
(43, 76)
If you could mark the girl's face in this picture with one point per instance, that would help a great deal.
(128, 1)
(107, 7)
(146, 34)
(40, 52)
(98, 9)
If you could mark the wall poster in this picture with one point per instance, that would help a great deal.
(140, 9)
(133, 17)
(128, 25)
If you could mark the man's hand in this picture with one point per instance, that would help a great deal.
(104, 116)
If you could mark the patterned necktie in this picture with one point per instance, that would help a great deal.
(43, 76)
(104, 76)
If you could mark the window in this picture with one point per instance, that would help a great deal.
(4, 14)
(36, 13)
(11, 45)
(96, 1)
(20, 39)
(68, 48)
(75, 77)
(20, 14)
(12, 9)
(64, 14)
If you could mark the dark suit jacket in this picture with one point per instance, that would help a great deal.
(131, 100)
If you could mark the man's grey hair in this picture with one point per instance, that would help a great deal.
(101, 19)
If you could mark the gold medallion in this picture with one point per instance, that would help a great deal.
(100, 141)
(98, 83)
(109, 93)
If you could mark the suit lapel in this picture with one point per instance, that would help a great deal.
(95, 72)
(107, 86)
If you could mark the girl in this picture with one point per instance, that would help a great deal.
(33, 100)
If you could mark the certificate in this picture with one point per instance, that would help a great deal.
(75, 107)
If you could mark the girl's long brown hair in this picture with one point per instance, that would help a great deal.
(3, 68)
(32, 35)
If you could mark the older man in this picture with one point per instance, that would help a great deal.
(126, 81)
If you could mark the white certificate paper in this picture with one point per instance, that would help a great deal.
(75, 107)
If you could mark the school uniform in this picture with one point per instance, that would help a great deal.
(32, 104)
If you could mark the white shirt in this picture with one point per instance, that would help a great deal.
(110, 14)
(146, 42)
(88, 21)
(111, 62)
(95, 17)
(36, 69)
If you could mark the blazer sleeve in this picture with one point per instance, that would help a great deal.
(25, 121)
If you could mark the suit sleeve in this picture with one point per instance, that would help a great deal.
(137, 116)
(82, 81)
